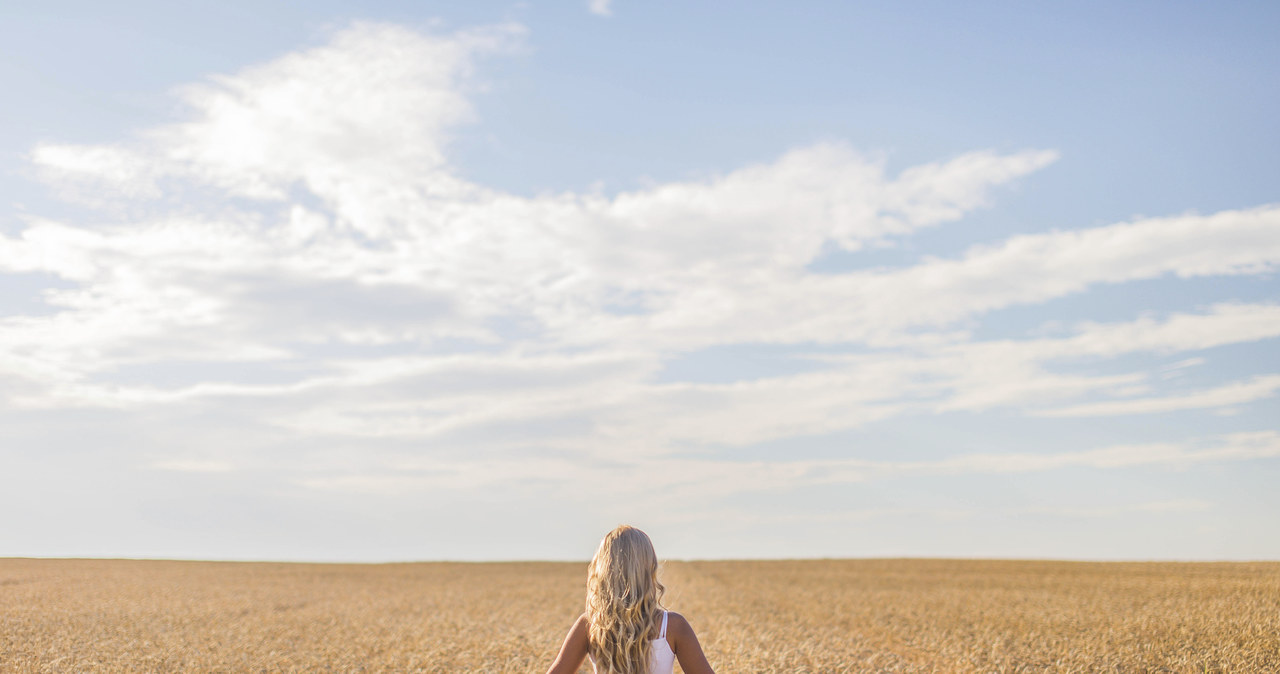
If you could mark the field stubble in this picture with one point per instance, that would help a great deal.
(760, 616)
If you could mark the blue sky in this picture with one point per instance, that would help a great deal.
(482, 280)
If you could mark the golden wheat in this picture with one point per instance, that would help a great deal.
(783, 616)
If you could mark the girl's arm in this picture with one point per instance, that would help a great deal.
(574, 649)
(685, 644)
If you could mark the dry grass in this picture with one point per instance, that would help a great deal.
(801, 616)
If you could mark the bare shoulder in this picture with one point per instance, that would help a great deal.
(574, 649)
(685, 644)
(677, 626)
(579, 632)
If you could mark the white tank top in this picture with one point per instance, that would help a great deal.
(662, 660)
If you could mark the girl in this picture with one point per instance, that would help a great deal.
(625, 630)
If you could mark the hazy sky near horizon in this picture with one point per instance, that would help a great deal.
(483, 280)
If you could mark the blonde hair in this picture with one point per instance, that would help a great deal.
(623, 600)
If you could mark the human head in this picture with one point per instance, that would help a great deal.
(625, 567)
(623, 599)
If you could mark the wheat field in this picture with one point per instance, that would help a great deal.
(758, 616)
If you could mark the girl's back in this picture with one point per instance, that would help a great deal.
(624, 613)
(662, 657)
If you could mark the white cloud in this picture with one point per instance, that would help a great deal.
(192, 466)
(1232, 447)
(96, 173)
(1224, 323)
(702, 479)
(1179, 505)
(1227, 448)
(426, 397)
(1034, 268)
(362, 123)
(1234, 393)
(600, 7)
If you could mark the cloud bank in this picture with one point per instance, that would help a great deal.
(299, 254)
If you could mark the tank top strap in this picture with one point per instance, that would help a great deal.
(663, 634)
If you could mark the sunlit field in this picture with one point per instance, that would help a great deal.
(776, 616)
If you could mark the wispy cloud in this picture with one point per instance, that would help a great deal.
(192, 466)
(701, 479)
(600, 7)
(1234, 393)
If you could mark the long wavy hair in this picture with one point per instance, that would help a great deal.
(623, 601)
